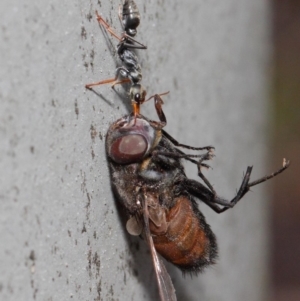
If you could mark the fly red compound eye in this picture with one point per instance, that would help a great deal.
(128, 149)
(130, 139)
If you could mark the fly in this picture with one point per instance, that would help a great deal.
(149, 180)
(148, 177)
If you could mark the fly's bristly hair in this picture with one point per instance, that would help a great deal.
(148, 177)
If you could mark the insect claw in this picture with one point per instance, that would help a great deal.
(285, 163)
(206, 166)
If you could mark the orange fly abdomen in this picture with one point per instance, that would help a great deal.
(188, 242)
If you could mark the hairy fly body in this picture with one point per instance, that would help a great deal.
(148, 179)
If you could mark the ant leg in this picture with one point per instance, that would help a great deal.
(134, 41)
(133, 46)
(107, 26)
(125, 80)
(176, 143)
(114, 80)
(106, 81)
(124, 36)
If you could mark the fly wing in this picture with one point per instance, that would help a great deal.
(165, 285)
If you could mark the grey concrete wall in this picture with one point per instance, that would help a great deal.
(61, 235)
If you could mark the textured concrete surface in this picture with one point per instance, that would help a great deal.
(62, 237)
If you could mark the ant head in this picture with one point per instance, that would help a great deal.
(137, 93)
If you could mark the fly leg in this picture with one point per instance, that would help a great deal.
(210, 198)
(177, 144)
(208, 156)
(199, 163)
(201, 175)
(245, 187)
(158, 102)
(170, 159)
(168, 153)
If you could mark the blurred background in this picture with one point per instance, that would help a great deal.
(285, 261)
